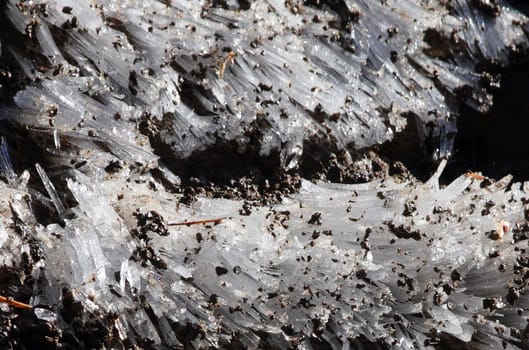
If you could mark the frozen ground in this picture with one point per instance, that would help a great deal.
(123, 120)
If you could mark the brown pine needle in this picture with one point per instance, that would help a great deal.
(198, 222)
(475, 175)
(230, 58)
(15, 303)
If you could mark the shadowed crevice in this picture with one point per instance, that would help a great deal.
(496, 143)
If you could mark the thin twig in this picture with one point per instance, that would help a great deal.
(197, 222)
(15, 303)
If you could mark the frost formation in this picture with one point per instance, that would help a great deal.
(112, 92)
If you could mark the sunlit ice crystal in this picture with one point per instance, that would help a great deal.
(115, 95)
(196, 74)
(333, 261)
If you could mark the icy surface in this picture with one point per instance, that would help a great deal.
(394, 263)
(195, 73)
(109, 87)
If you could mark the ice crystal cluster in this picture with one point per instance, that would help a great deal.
(345, 71)
(109, 91)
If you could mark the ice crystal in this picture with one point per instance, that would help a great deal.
(394, 263)
(352, 72)
(104, 89)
